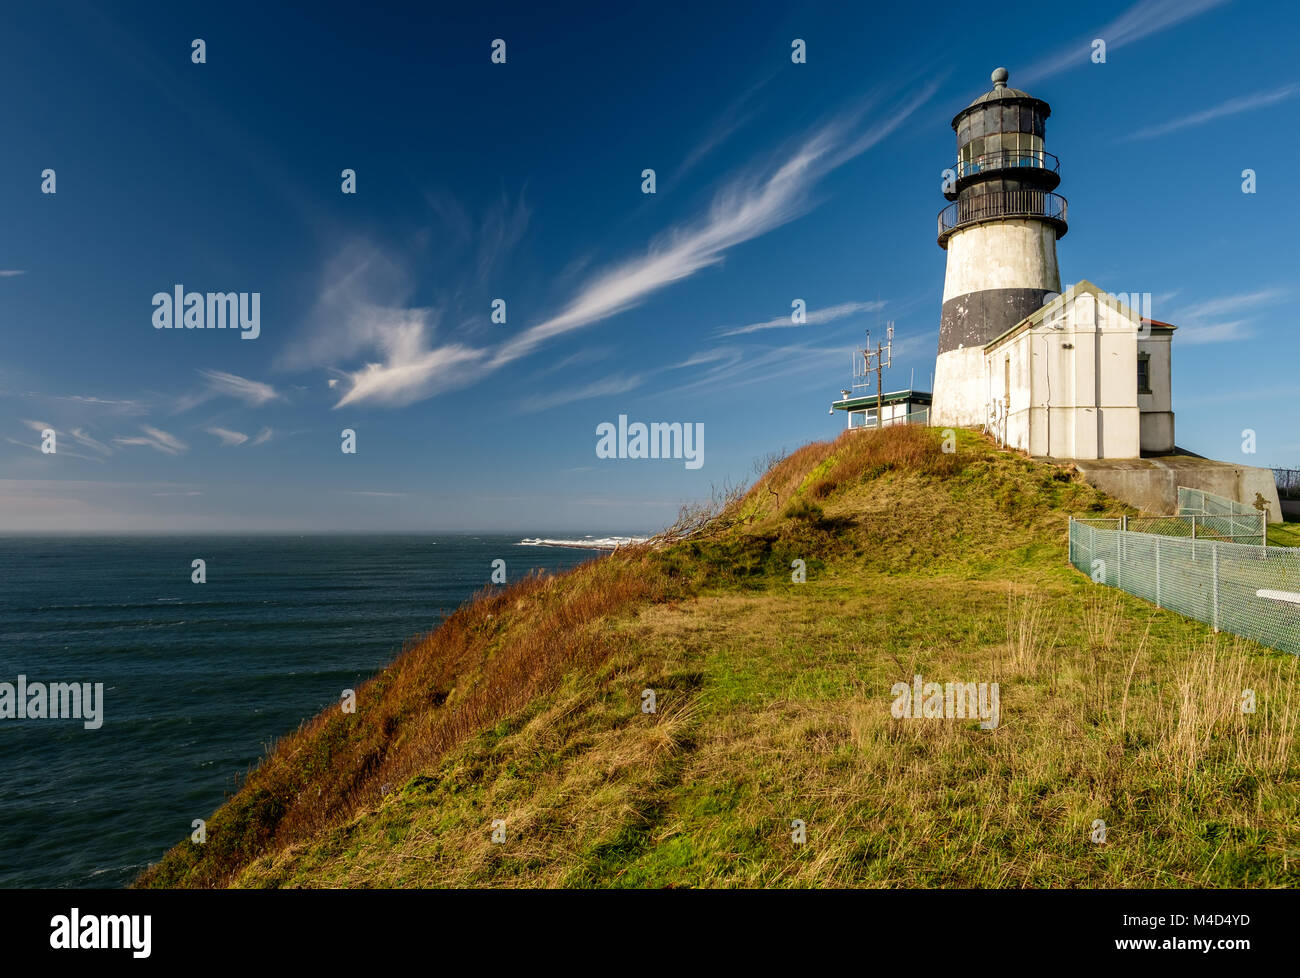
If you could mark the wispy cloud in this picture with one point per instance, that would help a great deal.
(61, 453)
(263, 437)
(1234, 106)
(487, 238)
(1229, 303)
(227, 436)
(616, 384)
(251, 392)
(733, 368)
(11, 272)
(100, 404)
(737, 115)
(747, 207)
(156, 439)
(763, 198)
(1143, 19)
(79, 435)
(1198, 322)
(1214, 333)
(410, 371)
(815, 317)
(708, 356)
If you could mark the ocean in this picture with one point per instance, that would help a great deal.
(199, 679)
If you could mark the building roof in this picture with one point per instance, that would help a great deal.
(1036, 317)
(869, 400)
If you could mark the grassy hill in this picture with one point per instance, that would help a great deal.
(773, 705)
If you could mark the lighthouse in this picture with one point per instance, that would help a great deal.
(1000, 233)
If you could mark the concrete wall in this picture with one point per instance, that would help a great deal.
(1158, 432)
(1152, 484)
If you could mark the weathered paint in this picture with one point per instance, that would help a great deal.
(1018, 253)
(959, 389)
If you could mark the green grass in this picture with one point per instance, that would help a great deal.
(1284, 534)
(773, 704)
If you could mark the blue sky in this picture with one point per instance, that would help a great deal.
(522, 181)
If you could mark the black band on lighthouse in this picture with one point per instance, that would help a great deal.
(977, 317)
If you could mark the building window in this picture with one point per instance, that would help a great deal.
(1144, 373)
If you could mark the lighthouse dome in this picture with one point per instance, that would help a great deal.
(1000, 89)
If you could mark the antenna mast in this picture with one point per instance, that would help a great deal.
(876, 361)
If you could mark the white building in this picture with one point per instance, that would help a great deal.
(1083, 377)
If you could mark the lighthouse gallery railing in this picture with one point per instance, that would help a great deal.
(1000, 204)
(1007, 160)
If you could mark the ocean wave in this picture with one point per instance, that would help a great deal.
(586, 543)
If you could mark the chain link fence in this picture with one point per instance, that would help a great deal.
(1223, 518)
(1252, 591)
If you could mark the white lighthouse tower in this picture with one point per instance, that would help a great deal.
(1000, 234)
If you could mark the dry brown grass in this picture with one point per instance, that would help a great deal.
(484, 663)
(863, 455)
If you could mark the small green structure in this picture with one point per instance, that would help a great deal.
(899, 407)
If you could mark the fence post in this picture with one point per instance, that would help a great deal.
(1193, 527)
(1214, 573)
(1119, 556)
(1158, 604)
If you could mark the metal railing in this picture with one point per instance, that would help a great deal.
(916, 417)
(1247, 590)
(1203, 503)
(1006, 160)
(1000, 204)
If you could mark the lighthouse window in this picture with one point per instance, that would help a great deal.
(1144, 373)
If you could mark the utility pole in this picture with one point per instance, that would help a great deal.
(882, 357)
